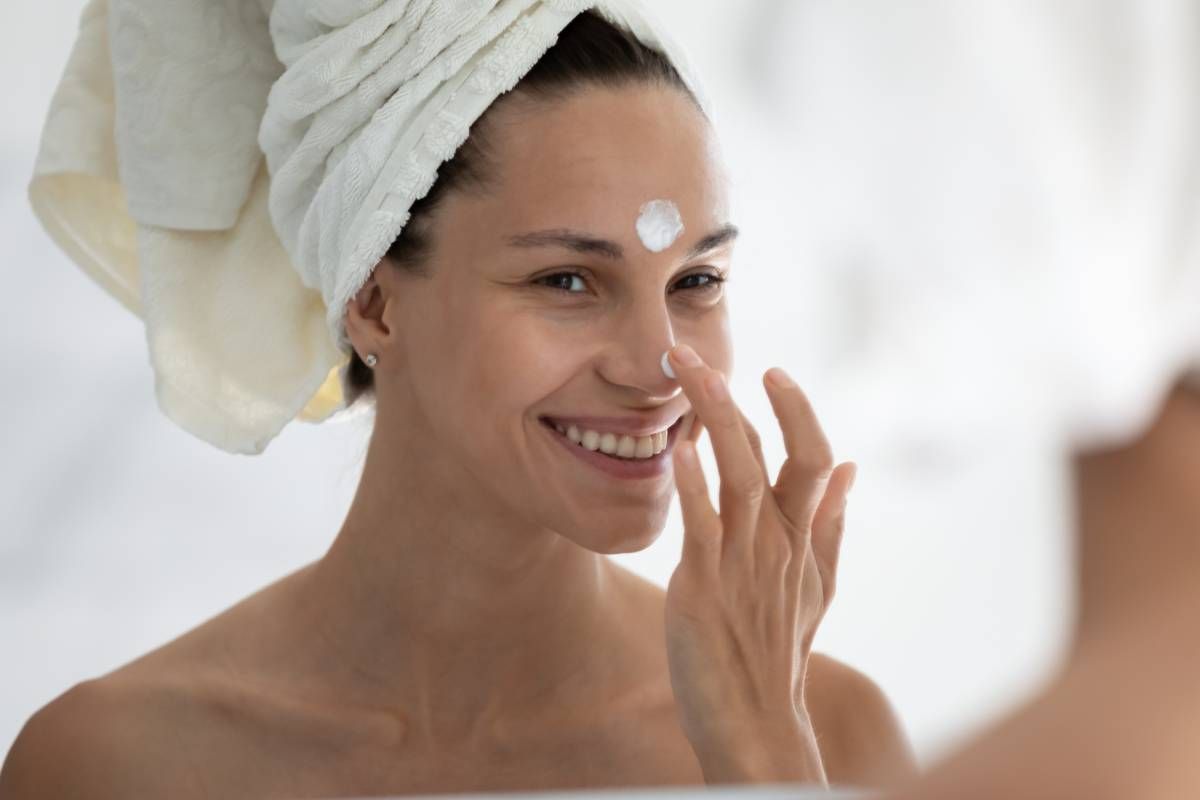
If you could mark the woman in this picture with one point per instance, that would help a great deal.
(465, 632)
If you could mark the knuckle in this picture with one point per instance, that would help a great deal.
(819, 461)
(776, 567)
(709, 537)
(751, 487)
(755, 439)
(727, 421)
(830, 591)
(791, 570)
(779, 551)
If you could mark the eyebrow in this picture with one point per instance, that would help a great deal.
(584, 243)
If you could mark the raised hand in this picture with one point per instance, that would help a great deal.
(753, 583)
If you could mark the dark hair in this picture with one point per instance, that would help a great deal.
(589, 51)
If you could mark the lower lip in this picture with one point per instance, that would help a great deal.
(632, 468)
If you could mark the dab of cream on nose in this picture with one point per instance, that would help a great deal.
(666, 365)
(659, 225)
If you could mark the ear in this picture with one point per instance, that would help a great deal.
(364, 321)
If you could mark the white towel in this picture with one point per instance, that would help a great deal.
(151, 173)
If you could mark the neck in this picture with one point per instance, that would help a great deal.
(445, 603)
(1139, 531)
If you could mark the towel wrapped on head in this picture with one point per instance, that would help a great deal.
(233, 171)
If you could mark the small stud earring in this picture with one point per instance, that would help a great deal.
(371, 360)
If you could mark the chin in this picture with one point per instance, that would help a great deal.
(627, 543)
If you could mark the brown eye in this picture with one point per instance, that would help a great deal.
(713, 282)
(558, 276)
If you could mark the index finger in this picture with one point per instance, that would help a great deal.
(743, 482)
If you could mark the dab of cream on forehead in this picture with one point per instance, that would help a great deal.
(659, 225)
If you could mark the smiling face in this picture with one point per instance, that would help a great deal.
(545, 302)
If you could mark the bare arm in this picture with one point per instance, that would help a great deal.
(1139, 522)
(1121, 717)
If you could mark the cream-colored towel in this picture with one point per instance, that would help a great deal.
(233, 171)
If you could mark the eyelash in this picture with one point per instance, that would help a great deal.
(715, 279)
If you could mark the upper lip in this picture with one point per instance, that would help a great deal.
(640, 425)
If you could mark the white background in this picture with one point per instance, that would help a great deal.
(118, 531)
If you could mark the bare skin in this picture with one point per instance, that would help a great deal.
(233, 708)
(1122, 717)
(465, 631)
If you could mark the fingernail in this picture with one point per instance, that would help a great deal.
(853, 478)
(780, 378)
(666, 364)
(687, 356)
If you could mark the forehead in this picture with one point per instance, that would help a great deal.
(596, 156)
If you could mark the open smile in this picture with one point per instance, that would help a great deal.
(616, 466)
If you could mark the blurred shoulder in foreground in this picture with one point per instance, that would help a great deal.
(861, 738)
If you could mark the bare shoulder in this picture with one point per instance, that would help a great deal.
(95, 740)
(145, 729)
(861, 738)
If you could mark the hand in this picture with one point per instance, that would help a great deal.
(753, 583)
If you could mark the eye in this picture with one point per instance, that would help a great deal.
(715, 279)
(556, 277)
(712, 284)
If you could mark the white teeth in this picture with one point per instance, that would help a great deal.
(623, 446)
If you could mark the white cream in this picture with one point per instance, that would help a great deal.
(659, 225)
(666, 365)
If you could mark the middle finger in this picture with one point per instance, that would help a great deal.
(742, 476)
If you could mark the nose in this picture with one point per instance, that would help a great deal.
(635, 356)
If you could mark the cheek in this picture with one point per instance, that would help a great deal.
(511, 362)
(521, 361)
(712, 338)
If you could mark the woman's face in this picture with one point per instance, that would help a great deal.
(545, 302)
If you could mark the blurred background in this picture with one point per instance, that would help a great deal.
(889, 267)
